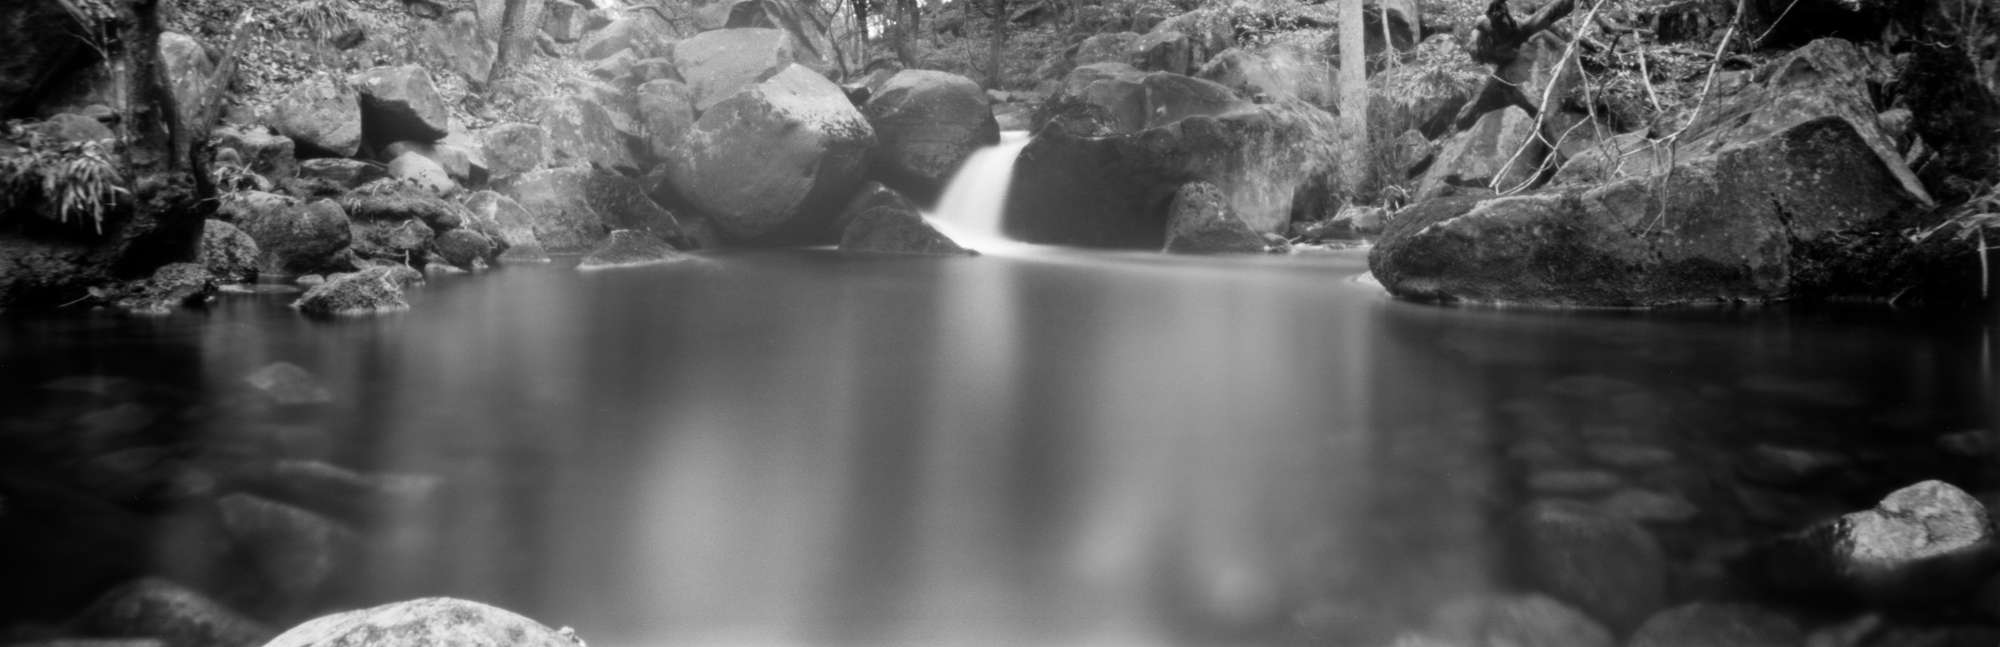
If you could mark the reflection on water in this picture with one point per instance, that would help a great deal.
(1074, 448)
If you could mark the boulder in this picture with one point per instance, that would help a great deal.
(927, 124)
(1199, 221)
(803, 23)
(415, 168)
(655, 69)
(717, 64)
(1923, 544)
(374, 290)
(1428, 97)
(1097, 181)
(462, 166)
(893, 229)
(171, 287)
(423, 622)
(41, 49)
(1502, 145)
(293, 550)
(456, 44)
(1759, 221)
(190, 77)
(564, 21)
(399, 103)
(1163, 51)
(583, 131)
(463, 248)
(1711, 624)
(265, 153)
(871, 195)
(571, 209)
(666, 108)
(392, 241)
(1607, 566)
(1275, 74)
(322, 115)
(176, 615)
(229, 254)
(513, 149)
(625, 34)
(292, 238)
(340, 172)
(1106, 48)
(69, 127)
(508, 224)
(765, 162)
(628, 248)
(396, 201)
(1496, 621)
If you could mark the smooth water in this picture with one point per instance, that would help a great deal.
(799, 447)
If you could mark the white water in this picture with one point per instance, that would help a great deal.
(975, 201)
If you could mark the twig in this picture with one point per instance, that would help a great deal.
(1707, 85)
(1548, 97)
(1646, 76)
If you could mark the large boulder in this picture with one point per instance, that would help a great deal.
(1922, 544)
(564, 21)
(1502, 146)
(878, 220)
(1199, 221)
(1106, 171)
(176, 615)
(804, 23)
(228, 253)
(292, 238)
(513, 149)
(373, 290)
(400, 103)
(456, 43)
(264, 152)
(1275, 74)
(423, 622)
(508, 224)
(572, 209)
(415, 168)
(584, 131)
(322, 115)
(1164, 51)
(717, 64)
(927, 124)
(772, 161)
(666, 109)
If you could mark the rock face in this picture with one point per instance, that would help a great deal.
(583, 130)
(667, 109)
(228, 253)
(292, 238)
(174, 614)
(1199, 221)
(716, 64)
(628, 248)
(1607, 566)
(323, 116)
(513, 149)
(463, 248)
(1923, 543)
(375, 290)
(1502, 146)
(1104, 172)
(427, 621)
(927, 123)
(765, 163)
(400, 103)
(572, 209)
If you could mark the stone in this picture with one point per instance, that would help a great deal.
(172, 286)
(1607, 566)
(160, 609)
(1106, 48)
(292, 238)
(294, 550)
(1496, 621)
(226, 252)
(400, 103)
(340, 172)
(666, 107)
(573, 209)
(509, 224)
(190, 77)
(1163, 51)
(627, 33)
(420, 171)
(456, 44)
(630, 248)
(889, 230)
(374, 290)
(810, 31)
(563, 20)
(321, 115)
(655, 69)
(1362, 220)
(393, 241)
(1922, 544)
(464, 247)
(67, 127)
(616, 68)
(1712, 624)
(770, 162)
(717, 64)
(394, 201)
(926, 124)
(423, 622)
(515, 148)
(1502, 145)
(286, 384)
(265, 153)
(335, 491)
(583, 131)
(1646, 506)
(1200, 221)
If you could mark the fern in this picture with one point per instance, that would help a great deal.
(75, 180)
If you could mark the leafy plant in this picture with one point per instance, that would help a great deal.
(1970, 224)
(76, 180)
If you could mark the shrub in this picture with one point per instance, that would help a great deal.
(67, 180)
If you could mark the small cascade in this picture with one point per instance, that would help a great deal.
(976, 199)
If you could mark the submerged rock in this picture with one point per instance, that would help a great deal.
(172, 286)
(627, 248)
(423, 623)
(1923, 543)
(1496, 621)
(294, 550)
(1200, 221)
(181, 617)
(286, 384)
(1707, 624)
(1608, 566)
(889, 230)
(375, 290)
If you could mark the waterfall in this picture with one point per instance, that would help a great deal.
(976, 199)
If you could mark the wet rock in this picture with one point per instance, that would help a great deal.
(927, 124)
(892, 230)
(400, 103)
(1491, 149)
(1608, 566)
(1501, 621)
(768, 162)
(1572, 482)
(1646, 506)
(1784, 466)
(294, 550)
(419, 170)
(716, 64)
(226, 252)
(584, 131)
(1709, 624)
(513, 149)
(395, 241)
(286, 384)
(160, 609)
(321, 115)
(627, 248)
(291, 237)
(342, 173)
(506, 222)
(667, 108)
(427, 621)
(1926, 542)
(1200, 221)
(463, 248)
(573, 209)
(265, 153)
(172, 286)
(392, 201)
(375, 290)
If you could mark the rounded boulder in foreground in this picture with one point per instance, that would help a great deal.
(775, 160)
(423, 622)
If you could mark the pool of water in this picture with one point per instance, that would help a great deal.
(1048, 447)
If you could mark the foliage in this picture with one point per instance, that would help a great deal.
(70, 179)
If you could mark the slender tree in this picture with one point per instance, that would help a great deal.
(517, 27)
(1354, 95)
(998, 10)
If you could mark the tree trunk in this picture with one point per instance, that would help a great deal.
(157, 141)
(1354, 95)
(517, 28)
(861, 20)
(993, 72)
